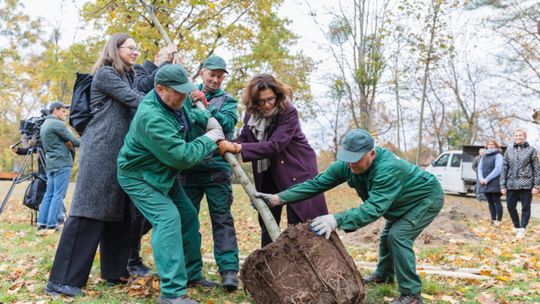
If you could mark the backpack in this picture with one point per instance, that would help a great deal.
(80, 113)
(35, 192)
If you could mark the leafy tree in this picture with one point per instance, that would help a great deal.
(19, 92)
(251, 31)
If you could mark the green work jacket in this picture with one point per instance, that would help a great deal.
(225, 114)
(155, 148)
(54, 135)
(390, 188)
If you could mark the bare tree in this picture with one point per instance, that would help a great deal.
(355, 40)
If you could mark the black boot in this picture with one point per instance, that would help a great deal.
(374, 279)
(229, 280)
(408, 299)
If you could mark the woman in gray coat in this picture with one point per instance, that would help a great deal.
(99, 213)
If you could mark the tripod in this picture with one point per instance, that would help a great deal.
(28, 161)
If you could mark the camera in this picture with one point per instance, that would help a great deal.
(30, 127)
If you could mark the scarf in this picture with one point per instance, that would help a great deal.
(259, 124)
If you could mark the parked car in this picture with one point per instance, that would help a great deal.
(454, 169)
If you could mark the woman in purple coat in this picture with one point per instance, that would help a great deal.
(280, 154)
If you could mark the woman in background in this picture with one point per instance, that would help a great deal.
(520, 179)
(489, 171)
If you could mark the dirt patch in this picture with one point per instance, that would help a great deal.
(449, 226)
(301, 267)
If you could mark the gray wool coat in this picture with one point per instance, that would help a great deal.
(113, 101)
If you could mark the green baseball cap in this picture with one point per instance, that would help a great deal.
(215, 63)
(355, 144)
(176, 77)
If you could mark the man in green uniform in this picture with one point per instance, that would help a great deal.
(213, 176)
(154, 152)
(406, 196)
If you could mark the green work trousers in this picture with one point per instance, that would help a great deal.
(175, 238)
(396, 254)
(217, 187)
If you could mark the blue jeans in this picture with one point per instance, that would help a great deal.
(53, 201)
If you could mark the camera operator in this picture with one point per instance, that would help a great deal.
(57, 141)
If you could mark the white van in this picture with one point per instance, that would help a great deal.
(454, 169)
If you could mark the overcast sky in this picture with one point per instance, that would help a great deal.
(65, 13)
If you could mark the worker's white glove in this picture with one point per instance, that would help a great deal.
(212, 124)
(215, 135)
(271, 200)
(324, 225)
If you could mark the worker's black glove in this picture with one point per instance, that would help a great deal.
(271, 200)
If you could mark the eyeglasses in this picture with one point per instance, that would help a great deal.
(269, 100)
(131, 48)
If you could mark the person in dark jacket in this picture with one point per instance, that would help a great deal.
(99, 215)
(56, 140)
(520, 179)
(479, 195)
(489, 171)
(280, 154)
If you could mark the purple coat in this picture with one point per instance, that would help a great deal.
(292, 160)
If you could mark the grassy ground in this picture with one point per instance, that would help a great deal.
(26, 258)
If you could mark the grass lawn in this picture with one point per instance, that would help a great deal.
(26, 258)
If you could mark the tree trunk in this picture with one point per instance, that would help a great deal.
(425, 79)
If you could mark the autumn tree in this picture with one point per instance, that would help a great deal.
(251, 32)
(20, 92)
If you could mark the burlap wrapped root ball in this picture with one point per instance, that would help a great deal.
(301, 267)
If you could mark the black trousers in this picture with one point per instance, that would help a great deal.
(512, 197)
(139, 227)
(495, 206)
(77, 249)
(268, 186)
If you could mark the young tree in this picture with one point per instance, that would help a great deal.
(257, 38)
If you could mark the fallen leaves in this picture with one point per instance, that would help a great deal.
(143, 287)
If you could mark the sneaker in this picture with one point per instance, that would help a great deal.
(374, 279)
(497, 223)
(408, 299)
(55, 289)
(180, 300)
(229, 280)
(203, 283)
(139, 270)
(520, 233)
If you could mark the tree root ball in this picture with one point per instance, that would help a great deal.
(301, 267)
